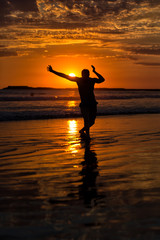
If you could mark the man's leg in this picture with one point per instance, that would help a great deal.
(82, 130)
(92, 115)
(85, 114)
(87, 132)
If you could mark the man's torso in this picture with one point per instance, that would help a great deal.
(86, 91)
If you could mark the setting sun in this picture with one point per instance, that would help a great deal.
(72, 75)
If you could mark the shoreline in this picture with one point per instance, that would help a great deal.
(76, 117)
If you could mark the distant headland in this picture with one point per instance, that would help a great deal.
(25, 88)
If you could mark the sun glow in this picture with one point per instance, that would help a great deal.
(72, 75)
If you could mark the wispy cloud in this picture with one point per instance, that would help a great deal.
(150, 50)
(8, 53)
(153, 64)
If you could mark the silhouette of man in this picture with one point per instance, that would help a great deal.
(88, 103)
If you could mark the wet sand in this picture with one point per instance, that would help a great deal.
(55, 185)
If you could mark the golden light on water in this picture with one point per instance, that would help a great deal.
(74, 144)
(72, 126)
(71, 104)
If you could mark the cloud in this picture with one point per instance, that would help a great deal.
(8, 53)
(153, 64)
(80, 10)
(24, 6)
(78, 13)
(29, 5)
(121, 29)
(108, 31)
(70, 11)
(95, 10)
(145, 50)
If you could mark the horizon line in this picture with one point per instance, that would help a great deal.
(99, 88)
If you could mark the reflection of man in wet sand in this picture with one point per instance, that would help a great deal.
(88, 103)
(88, 188)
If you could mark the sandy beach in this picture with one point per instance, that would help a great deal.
(55, 185)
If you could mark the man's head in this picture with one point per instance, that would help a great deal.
(85, 73)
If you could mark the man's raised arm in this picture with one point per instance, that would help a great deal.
(73, 79)
(100, 79)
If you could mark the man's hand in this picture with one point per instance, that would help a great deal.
(49, 68)
(93, 68)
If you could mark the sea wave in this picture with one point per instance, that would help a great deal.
(70, 98)
(35, 115)
(65, 103)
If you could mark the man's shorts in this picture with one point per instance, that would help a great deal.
(89, 114)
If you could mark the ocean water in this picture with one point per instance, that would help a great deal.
(54, 185)
(64, 103)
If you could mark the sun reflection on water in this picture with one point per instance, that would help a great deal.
(71, 104)
(72, 127)
(73, 141)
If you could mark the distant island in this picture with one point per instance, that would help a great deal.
(49, 88)
(26, 88)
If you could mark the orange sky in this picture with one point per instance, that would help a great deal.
(121, 40)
